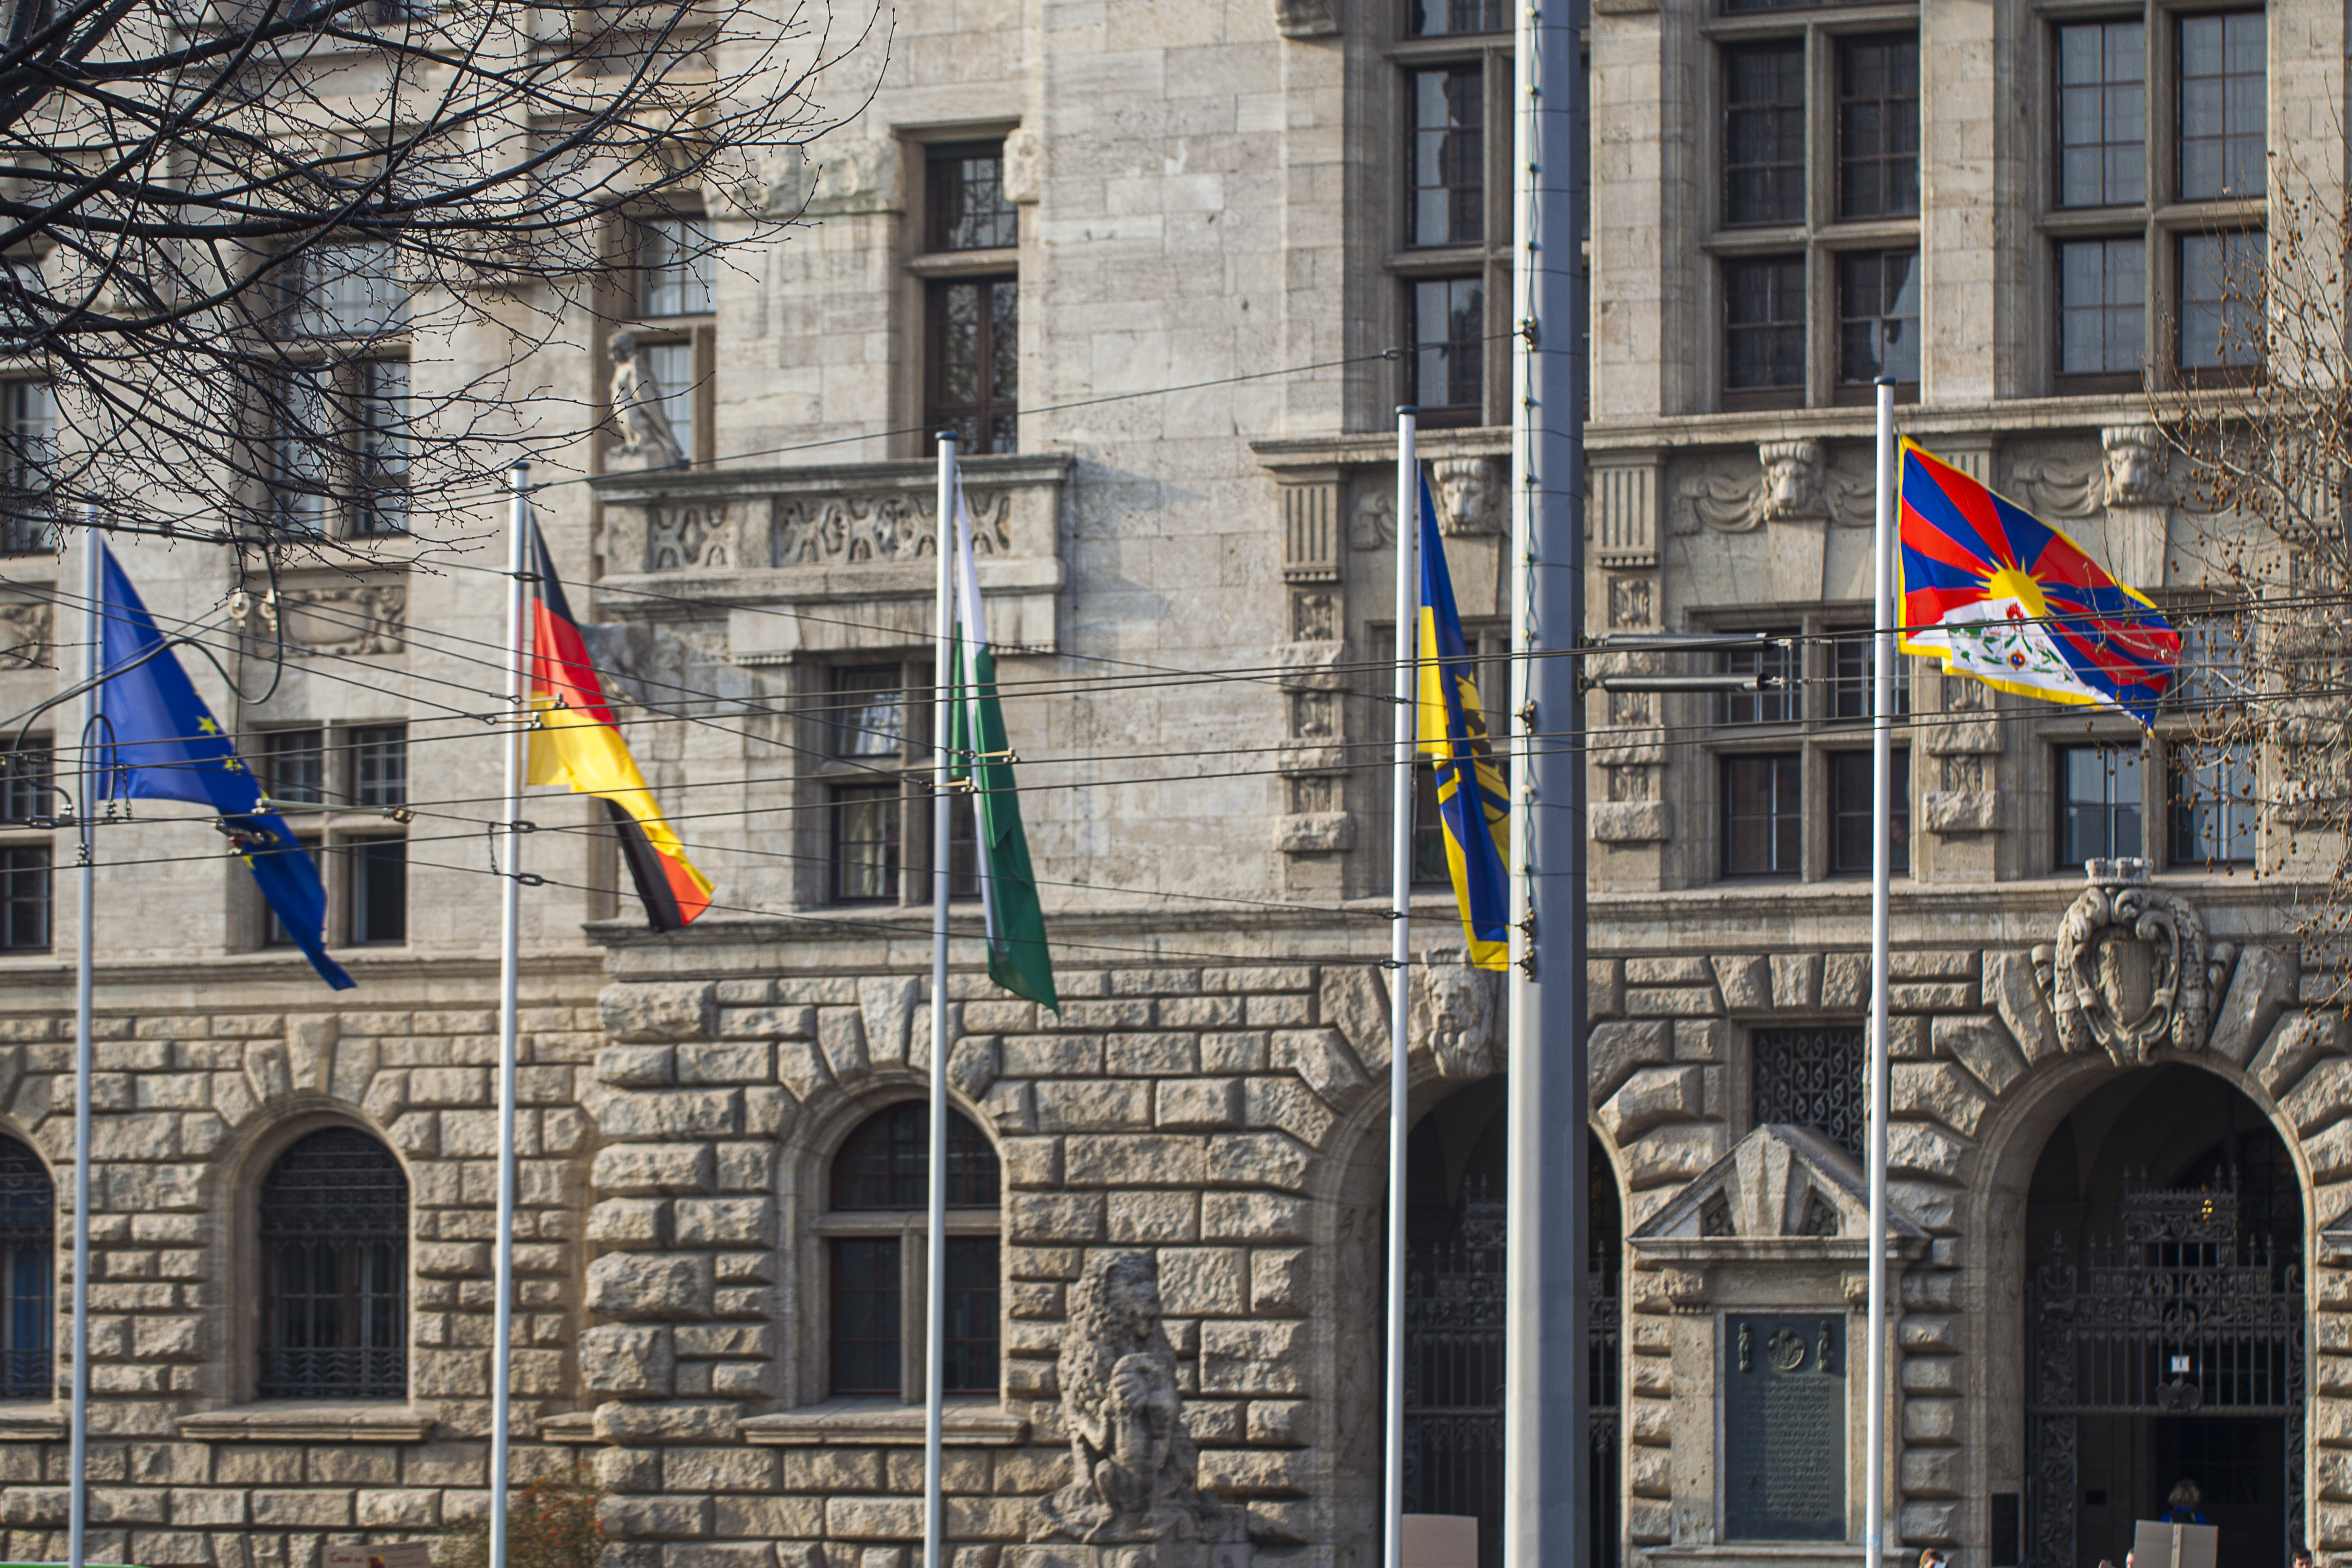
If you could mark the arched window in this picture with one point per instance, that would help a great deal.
(334, 1271)
(879, 1191)
(28, 1229)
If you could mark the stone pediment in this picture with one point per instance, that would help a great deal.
(862, 537)
(1782, 1191)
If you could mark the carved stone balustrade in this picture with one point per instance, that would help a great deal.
(859, 538)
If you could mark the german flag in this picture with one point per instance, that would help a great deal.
(578, 745)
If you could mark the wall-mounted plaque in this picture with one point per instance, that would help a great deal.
(1784, 1428)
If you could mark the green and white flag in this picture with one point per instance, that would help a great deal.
(1017, 958)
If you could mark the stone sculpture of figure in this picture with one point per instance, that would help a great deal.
(2135, 456)
(1468, 496)
(1454, 1014)
(647, 439)
(1133, 1463)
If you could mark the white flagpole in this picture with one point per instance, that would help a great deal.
(935, 1281)
(1882, 874)
(1401, 794)
(509, 945)
(77, 1458)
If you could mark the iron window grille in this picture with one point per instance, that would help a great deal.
(27, 1272)
(885, 1167)
(335, 1245)
(1809, 1078)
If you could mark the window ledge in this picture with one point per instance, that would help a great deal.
(322, 1421)
(34, 1421)
(869, 1422)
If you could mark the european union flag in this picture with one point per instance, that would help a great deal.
(1472, 805)
(160, 743)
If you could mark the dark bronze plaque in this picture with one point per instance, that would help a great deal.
(1784, 1428)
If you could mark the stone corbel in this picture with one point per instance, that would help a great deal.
(1025, 168)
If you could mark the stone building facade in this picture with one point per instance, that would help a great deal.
(2113, 1086)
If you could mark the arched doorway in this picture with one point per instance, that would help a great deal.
(2164, 1312)
(1455, 1176)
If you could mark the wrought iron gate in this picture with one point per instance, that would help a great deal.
(1454, 1383)
(2177, 1315)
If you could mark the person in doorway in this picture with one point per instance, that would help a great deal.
(1931, 1557)
(2302, 1557)
(2184, 1505)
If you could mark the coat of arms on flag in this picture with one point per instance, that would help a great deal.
(1997, 594)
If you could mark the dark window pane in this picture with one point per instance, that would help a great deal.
(1446, 355)
(870, 711)
(1879, 126)
(972, 1291)
(2221, 299)
(968, 210)
(380, 765)
(294, 765)
(1811, 1078)
(273, 931)
(1764, 133)
(345, 289)
(2098, 804)
(887, 1162)
(379, 872)
(1857, 663)
(2215, 811)
(27, 1272)
(1851, 812)
(1763, 815)
(1448, 156)
(1429, 864)
(25, 887)
(2102, 115)
(334, 1242)
(865, 843)
(2102, 306)
(26, 773)
(975, 362)
(2222, 137)
(28, 426)
(1764, 323)
(866, 1297)
(677, 267)
(1438, 18)
(1878, 315)
(382, 441)
(2214, 673)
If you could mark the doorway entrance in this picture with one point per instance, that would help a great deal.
(2164, 1322)
(1455, 1228)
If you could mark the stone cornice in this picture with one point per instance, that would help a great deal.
(828, 478)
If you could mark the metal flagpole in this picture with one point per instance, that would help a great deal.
(1547, 1477)
(1882, 874)
(78, 1456)
(1401, 793)
(935, 1280)
(509, 962)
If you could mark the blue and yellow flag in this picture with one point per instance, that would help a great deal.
(158, 742)
(1472, 805)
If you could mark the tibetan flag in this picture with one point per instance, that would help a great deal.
(578, 745)
(1997, 594)
(1017, 957)
(158, 742)
(1472, 804)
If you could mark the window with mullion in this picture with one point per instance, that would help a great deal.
(334, 1241)
(2222, 288)
(28, 416)
(2222, 105)
(2102, 306)
(1444, 19)
(1879, 126)
(968, 209)
(26, 891)
(1878, 315)
(1763, 815)
(1852, 808)
(2216, 813)
(866, 1301)
(1764, 133)
(2098, 804)
(677, 271)
(1445, 358)
(294, 764)
(1781, 703)
(27, 781)
(975, 361)
(2102, 114)
(1448, 157)
(864, 860)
